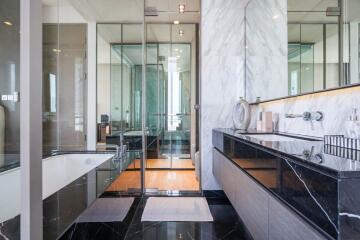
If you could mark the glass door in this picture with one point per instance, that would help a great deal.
(170, 67)
(151, 115)
(10, 174)
(168, 93)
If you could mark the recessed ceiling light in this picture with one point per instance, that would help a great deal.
(275, 16)
(176, 49)
(8, 23)
(176, 22)
(56, 50)
(181, 33)
(181, 8)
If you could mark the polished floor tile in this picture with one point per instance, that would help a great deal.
(184, 180)
(226, 225)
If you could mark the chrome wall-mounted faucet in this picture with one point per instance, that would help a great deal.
(308, 116)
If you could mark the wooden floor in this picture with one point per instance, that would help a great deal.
(165, 163)
(157, 179)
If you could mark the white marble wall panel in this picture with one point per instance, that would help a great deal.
(222, 73)
(336, 105)
(266, 49)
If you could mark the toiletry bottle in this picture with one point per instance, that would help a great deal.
(267, 122)
(259, 122)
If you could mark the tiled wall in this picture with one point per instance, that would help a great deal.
(266, 77)
(337, 105)
(266, 49)
(222, 72)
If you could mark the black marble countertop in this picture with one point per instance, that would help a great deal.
(308, 152)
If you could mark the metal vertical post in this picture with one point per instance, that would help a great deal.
(31, 119)
(341, 43)
(143, 102)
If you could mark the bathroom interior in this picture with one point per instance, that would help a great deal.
(179, 119)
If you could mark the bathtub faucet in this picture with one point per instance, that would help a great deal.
(120, 149)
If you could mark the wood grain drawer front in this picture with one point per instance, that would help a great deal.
(284, 224)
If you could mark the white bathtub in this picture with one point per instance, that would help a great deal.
(58, 171)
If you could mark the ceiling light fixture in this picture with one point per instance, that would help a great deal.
(8, 23)
(181, 32)
(275, 17)
(56, 50)
(176, 22)
(181, 8)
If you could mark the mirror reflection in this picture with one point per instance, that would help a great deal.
(322, 49)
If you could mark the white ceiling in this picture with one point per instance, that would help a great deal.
(173, 5)
(132, 33)
(351, 9)
(131, 10)
(310, 5)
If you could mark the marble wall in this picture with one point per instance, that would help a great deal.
(337, 106)
(267, 74)
(222, 73)
(266, 49)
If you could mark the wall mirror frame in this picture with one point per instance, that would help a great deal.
(313, 46)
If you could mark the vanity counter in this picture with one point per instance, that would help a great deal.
(318, 187)
(307, 152)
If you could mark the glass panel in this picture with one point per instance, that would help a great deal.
(119, 112)
(351, 44)
(158, 145)
(294, 61)
(116, 90)
(64, 91)
(180, 126)
(9, 117)
(165, 136)
(307, 67)
(312, 57)
(312, 54)
(50, 86)
(170, 56)
(332, 56)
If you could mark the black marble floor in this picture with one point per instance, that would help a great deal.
(226, 225)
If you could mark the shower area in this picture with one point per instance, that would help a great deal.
(167, 96)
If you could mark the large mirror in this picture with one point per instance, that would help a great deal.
(299, 47)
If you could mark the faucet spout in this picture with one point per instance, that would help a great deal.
(307, 116)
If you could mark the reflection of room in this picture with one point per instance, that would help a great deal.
(170, 91)
(179, 119)
(313, 50)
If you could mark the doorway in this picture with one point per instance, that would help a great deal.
(166, 120)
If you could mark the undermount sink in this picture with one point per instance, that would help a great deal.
(273, 137)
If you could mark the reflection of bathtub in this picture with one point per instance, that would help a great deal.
(58, 172)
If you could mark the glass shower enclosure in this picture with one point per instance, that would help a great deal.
(167, 100)
(144, 98)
